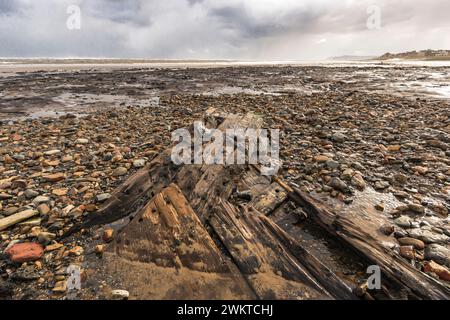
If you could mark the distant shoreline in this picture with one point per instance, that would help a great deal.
(100, 61)
(10, 67)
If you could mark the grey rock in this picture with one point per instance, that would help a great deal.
(332, 164)
(18, 157)
(358, 166)
(438, 253)
(30, 194)
(107, 157)
(338, 137)
(45, 238)
(400, 233)
(428, 236)
(120, 294)
(338, 184)
(139, 163)
(403, 221)
(103, 197)
(41, 199)
(120, 171)
(380, 185)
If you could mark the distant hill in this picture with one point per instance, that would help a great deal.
(418, 55)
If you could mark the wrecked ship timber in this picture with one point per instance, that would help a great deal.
(182, 233)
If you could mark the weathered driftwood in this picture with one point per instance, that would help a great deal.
(392, 266)
(271, 269)
(270, 199)
(325, 276)
(135, 191)
(165, 253)
(16, 218)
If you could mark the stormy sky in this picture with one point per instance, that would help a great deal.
(222, 29)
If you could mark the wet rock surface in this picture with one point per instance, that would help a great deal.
(339, 137)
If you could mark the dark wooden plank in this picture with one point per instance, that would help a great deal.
(165, 253)
(270, 199)
(354, 234)
(333, 284)
(272, 271)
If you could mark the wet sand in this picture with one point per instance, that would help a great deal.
(32, 89)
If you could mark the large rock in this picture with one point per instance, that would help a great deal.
(338, 137)
(339, 185)
(30, 194)
(25, 252)
(438, 253)
(428, 236)
(403, 221)
(120, 171)
(120, 294)
(40, 199)
(139, 163)
(358, 181)
(441, 271)
(407, 252)
(416, 243)
(321, 158)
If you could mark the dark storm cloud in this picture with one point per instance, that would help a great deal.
(8, 7)
(237, 29)
(119, 11)
(239, 18)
